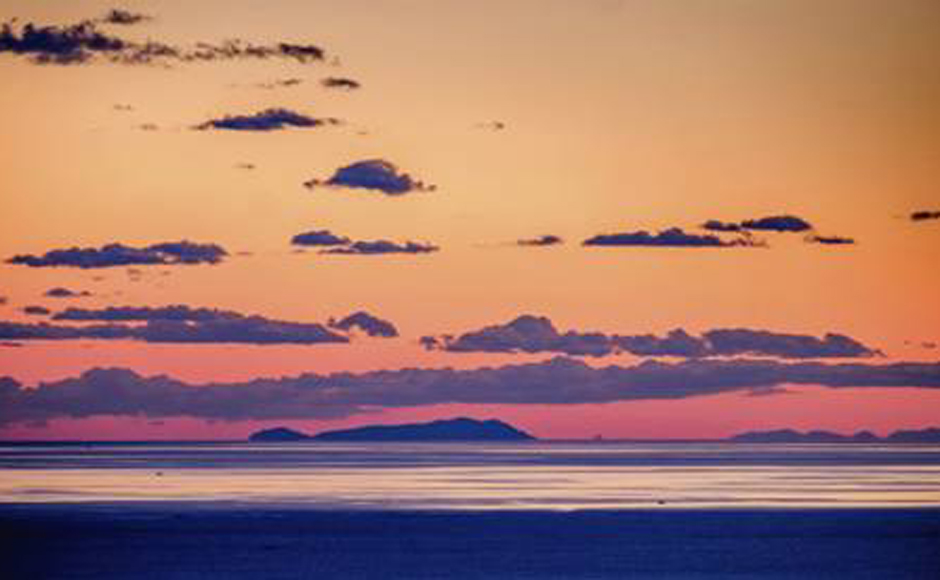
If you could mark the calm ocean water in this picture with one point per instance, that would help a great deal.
(468, 476)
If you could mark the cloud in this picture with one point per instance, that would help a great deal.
(535, 334)
(369, 324)
(280, 83)
(719, 226)
(110, 255)
(673, 237)
(738, 341)
(266, 120)
(777, 223)
(59, 45)
(36, 310)
(375, 175)
(184, 324)
(124, 17)
(341, 83)
(920, 216)
(319, 238)
(546, 240)
(3, 300)
(84, 42)
(142, 313)
(492, 125)
(830, 240)
(377, 247)
(122, 392)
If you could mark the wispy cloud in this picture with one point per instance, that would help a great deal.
(924, 215)
(830, 240)
(85, 42)
(379, 247)
(341, 83)
(110, 255)
(546, 240)
(670, 238)
(60, 292)
(124, 17)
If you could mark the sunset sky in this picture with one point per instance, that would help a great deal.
(460, 136)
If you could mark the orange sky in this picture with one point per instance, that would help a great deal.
(619, 115)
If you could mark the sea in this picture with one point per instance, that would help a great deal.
(545, 509)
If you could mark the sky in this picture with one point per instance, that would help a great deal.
(760, 175)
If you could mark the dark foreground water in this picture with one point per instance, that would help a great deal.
(453, 511)
(172, 541)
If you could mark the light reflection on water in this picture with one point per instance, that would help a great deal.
(544, 475)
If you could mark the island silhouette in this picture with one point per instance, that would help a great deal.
(457, 429)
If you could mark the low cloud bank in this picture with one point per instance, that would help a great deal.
(122, 392)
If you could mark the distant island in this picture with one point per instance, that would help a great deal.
(928, 435)
(459, 429)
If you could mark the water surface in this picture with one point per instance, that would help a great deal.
(470, 476)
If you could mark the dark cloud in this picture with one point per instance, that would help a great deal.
(266, 120)
(246, 329)
(920, 216)
(719, 226)
(124, 17)
(184, 324)
(373, 174)
(3, 300)
(236, 329)
(341, 83)
(369, 324)
(144, 313)
(524, 334)
(673, 237)
(377, 247)
(777, 223)
(85, 42)
(319, 238)
(183, 252)
(122, 392)
(36, 310)
(742, 341)
(535, 334)
(60, 45)
(830, 240)
(46, 331)
(546, 240)
(677, 342)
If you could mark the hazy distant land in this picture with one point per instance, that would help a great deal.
(927, 435)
